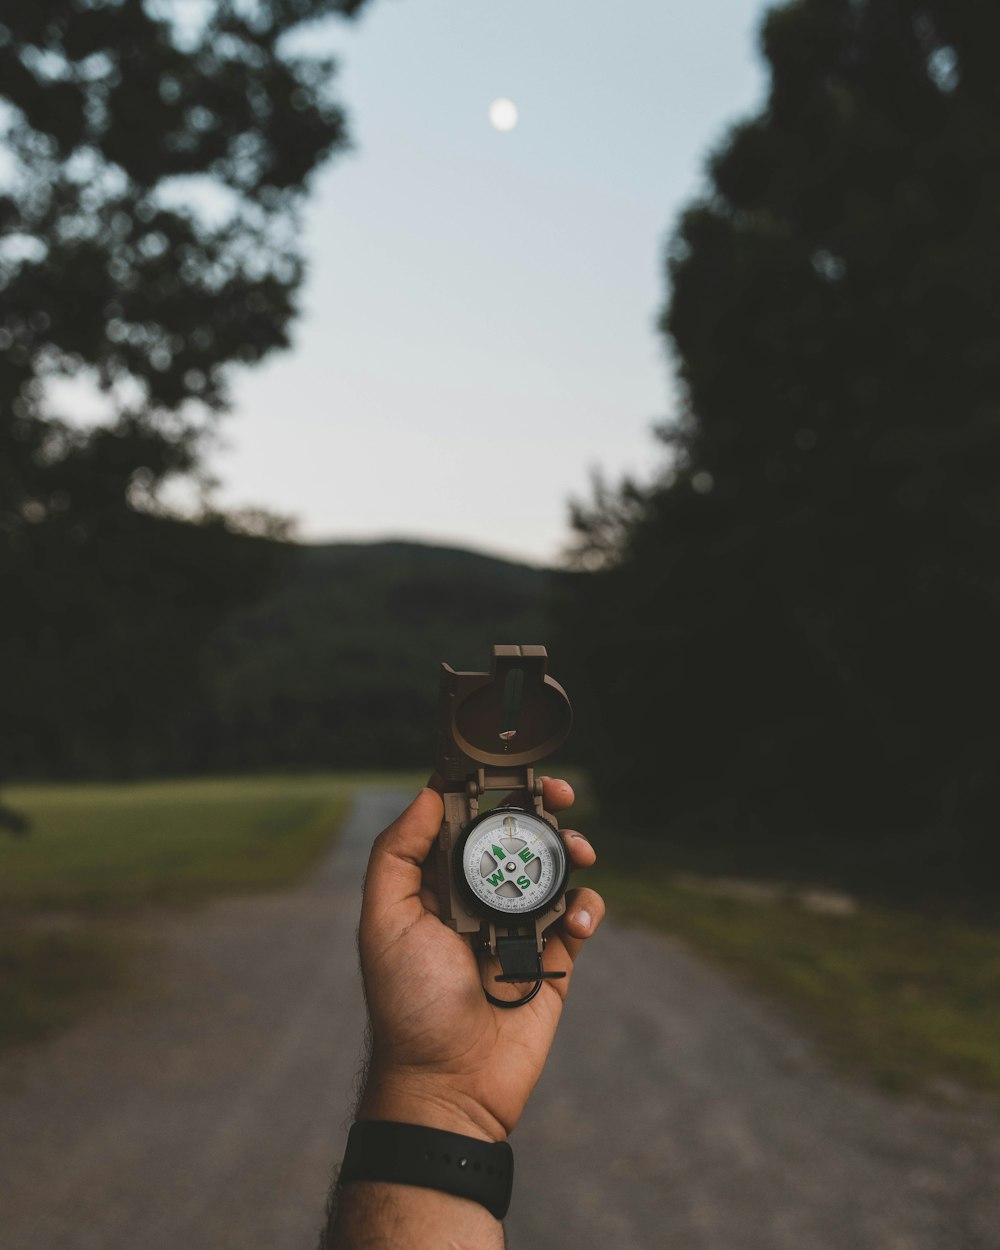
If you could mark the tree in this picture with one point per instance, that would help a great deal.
(801, 623)
(120, 118)
(118, 113)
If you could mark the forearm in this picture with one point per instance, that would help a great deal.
(372, 1215)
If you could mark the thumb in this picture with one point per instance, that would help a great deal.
(398, 854)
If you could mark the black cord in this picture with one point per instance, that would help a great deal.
(515, 1002)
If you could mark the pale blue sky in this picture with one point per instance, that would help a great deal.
(478, 329)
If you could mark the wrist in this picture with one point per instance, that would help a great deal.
(431, 1100)
(459, 1181)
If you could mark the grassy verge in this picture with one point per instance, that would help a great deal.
(912, 1000)
(96, 847)
(98, 852)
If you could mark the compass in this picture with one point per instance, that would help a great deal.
(512, 864)
(502, 872)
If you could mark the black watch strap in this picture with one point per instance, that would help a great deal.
(411, 1154)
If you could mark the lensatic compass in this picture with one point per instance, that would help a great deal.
(502, 873)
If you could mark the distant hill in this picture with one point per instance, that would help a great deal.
(337, 666)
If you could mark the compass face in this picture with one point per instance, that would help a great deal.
(513, 862)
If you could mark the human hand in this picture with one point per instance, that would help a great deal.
(442, 1055)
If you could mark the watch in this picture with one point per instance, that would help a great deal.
(502, 872)
(412, 1154)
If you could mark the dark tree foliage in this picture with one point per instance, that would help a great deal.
(118, 118)
(792, 648)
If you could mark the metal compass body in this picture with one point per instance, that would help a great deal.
(502, 873)
(513, 864)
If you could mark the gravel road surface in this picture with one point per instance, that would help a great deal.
(678, 1112)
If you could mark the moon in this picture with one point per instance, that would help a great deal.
(503, 114)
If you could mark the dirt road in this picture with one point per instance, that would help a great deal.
(677, 1111)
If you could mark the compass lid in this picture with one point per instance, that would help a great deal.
(513, 715)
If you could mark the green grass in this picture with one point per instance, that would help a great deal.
(909, 999)
(111, 846)
(97, 853)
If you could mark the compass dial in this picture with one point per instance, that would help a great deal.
(513, 862)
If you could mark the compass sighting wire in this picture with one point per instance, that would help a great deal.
(513, 688)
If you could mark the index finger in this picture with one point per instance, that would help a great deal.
(557, 795)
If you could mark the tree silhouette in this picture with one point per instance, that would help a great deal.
(121, 116)
(156, 156)
(802, 620)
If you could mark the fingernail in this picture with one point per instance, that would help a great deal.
(583, 919)
(582, 838)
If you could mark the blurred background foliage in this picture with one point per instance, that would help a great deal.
(780, 647)
(119, 120)
(785, 656)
